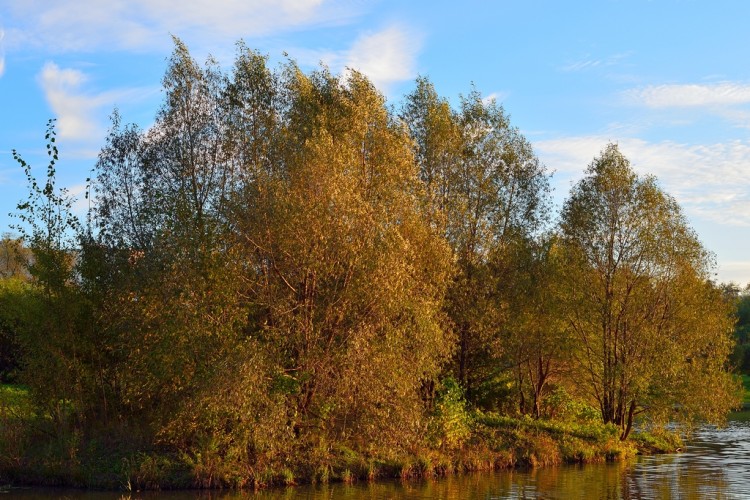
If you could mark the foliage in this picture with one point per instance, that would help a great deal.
(653, 333)
(63, 359)
(740, 299)
(283, 280)
(450, 426)
(15, 300)
(537, 346)
(485, 189)
(271, 284)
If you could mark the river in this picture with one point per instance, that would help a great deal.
(715, 464)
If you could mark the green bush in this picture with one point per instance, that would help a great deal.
(450, 425)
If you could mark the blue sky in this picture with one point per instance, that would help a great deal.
(666, 79)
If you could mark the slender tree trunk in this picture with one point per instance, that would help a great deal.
(462, 357)
(541, 381)
(629, 423)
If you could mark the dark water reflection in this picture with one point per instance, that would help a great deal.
(715, 465)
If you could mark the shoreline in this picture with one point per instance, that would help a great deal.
(496, 443)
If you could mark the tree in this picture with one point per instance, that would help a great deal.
(484, 189)
(272, 278)
(653, 332)
(537, 346)
(170, 277)
(15, 258)
(740, 298)
(346, 277)
(62, 355)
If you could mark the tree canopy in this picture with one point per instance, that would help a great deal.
(283, 270)
(653, 332)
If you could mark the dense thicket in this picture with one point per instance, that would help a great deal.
(487, 193)
(282, 270)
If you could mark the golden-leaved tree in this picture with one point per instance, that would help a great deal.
(486, 191)
(346, 277)
(275, 286)
(653, 332)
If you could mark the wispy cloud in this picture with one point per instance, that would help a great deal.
(88, 25)
(2, 52)
(690, 95)
(589, 62)
(711, 181)
(497, 97)
(583, 64)
(78, 111)
(737, 271)
(62, 89)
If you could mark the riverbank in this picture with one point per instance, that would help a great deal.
(31, 453)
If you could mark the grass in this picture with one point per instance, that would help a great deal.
(15, 414)
(739, 416)
(120, 461)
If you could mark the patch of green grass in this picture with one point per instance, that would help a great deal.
(657, 442)
(739, 416)
(548, 442)
(746, 385)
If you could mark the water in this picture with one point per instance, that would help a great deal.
(716, 464)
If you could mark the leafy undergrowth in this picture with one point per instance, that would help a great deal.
(547, 442)
(116, 457)
(14, 400)
(657, 442)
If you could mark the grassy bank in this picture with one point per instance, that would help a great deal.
(746, 393)
(32, 453)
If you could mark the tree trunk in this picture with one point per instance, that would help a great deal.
(629, 423)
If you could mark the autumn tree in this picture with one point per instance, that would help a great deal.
(537, 348)
(15, 258)
(347, 277)
(172, 305)
(274, 280)
(740, 299)
(484, 188)
(653, 331)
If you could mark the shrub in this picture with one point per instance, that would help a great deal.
(450, 425)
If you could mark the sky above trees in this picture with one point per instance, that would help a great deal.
(664, 80)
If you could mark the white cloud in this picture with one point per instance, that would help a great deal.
(582, 64)
(2, 53)
(497, 97)
(78, 111)
(87, 25)
(711, 182)
(690, 95)
(74, 110)
(386, 57)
